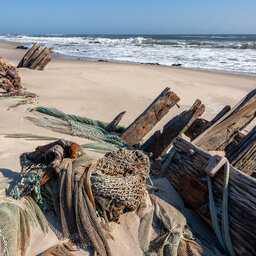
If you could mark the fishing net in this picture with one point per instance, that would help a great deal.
(16, 225)
(78, 126)
(29, 180)
(118, 181)
(83, 120)
(87, 192)
(173, 235)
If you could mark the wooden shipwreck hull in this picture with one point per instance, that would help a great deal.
(186, 172)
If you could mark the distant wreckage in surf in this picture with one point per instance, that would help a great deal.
(36, 57)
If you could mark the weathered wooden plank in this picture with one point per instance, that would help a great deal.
(185, 173)
(159, 143)
(221, 134)
(43, 63)
(214, 120)
(46, 51)
(243, 154)
(111, 126)
(33, 57)
(150, 117)
(28, 55)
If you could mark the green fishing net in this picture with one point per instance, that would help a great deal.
(78, 126)
(17, 223)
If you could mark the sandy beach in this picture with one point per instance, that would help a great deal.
(101, 90)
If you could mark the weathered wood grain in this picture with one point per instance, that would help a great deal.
(32, 58)
(243, 154)
(36, 57)
(185, 173)
(221, 134)
(43, 54)
(214, 120)
(160, 142)
(150, 117)
(28, 55)
(111, 126)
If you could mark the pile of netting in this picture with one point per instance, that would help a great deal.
(118, 181)
(88, 192)
(80, 190)
(10, 81)
(78, 126)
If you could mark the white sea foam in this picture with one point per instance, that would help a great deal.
(228, 53)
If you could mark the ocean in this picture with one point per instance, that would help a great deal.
(226, 53)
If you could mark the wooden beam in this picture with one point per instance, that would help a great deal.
(33, 57)
(150, 117)
(159, 143)
(45, 52)
(111, 126)
(214, 120)
(243, 154)
(43, 63)
(221, 134)
(36, 58)
(185, 173)
(28, 55)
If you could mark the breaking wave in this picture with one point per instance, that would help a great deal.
(232, 53)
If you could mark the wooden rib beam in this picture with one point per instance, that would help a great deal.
(159, 143)
(36, 58)
(28, 55)
(185, 173)
(214, 120)
(34, 55)
(243, 154)
(150, 117)
(223, 132)
(111, 126)
(45, 52)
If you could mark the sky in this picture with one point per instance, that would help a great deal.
(128, 17)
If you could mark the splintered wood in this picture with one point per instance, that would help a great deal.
(223, 132)
(160, 142)
(150, 117)
(36, 58)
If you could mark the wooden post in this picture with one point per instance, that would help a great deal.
(150, 117)
(159, 143)
(243, 154)
(111, 126)
(185, 173)
(221, 134)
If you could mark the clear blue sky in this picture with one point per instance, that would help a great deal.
(128, 17)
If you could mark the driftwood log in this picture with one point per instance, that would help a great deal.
(221, 134)
(186, 174)
(243, 154)
(36, 58)
(111, 126)
(159, 143)
(150, 117)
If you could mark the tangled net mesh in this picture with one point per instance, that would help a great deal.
(119, 178)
